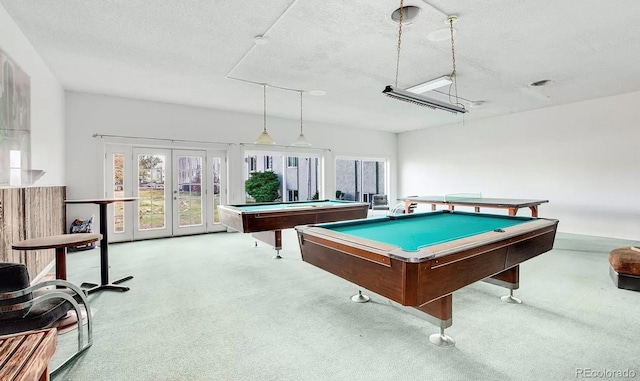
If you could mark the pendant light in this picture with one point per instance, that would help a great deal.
(301, 141)
(264, 137)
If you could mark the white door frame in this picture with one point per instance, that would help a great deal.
(130, 188)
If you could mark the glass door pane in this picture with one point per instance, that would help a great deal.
(188, 194)
(153, 185)
(216, 190)
(118, 191)
(118, 183)
(216, 186)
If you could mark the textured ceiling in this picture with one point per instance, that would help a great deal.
(187, 52)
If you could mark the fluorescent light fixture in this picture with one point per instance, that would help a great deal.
(430, 85)
(420, 100)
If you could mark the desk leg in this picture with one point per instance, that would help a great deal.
(513, 211)
(61, 263)
(104, 261)
(534, 210)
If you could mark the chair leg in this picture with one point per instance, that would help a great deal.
(81, 345)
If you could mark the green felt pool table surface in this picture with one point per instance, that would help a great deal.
(425, 229)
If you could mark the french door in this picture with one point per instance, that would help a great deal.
(179, 191)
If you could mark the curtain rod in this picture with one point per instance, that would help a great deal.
(265, 147)
(97, 135)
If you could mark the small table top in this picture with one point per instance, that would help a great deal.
(26, 355)
(57, 241)
(101, 200)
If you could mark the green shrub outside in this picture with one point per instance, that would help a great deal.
(263, 186)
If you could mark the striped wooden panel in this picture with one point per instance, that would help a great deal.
(30, 213)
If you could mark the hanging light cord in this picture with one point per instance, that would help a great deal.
(399, 40)
(451, 20)
(300, 112)
(264, 97)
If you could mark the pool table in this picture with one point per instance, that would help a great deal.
(266, 220)
(418, 260)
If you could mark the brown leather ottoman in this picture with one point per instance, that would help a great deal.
(625, 268)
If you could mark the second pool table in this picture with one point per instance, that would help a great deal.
(418, 260)
(266, 220)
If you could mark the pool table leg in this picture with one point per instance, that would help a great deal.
(440, 310)
(437, 312)
(510, 298)
(359, 298)
(441, 339)
(509, 279)
(271, 237)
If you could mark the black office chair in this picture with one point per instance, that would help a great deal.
(25, 308)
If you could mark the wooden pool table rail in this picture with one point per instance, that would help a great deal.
(266, 225)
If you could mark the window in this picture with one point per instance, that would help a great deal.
(253, 163)
(359, 180)
(15, 167)
(299, 175)
(292, 195)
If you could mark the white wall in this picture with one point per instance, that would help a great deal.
(47, 103)
(90, 113)
(583, 157)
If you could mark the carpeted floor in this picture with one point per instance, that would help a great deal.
(213, 307)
